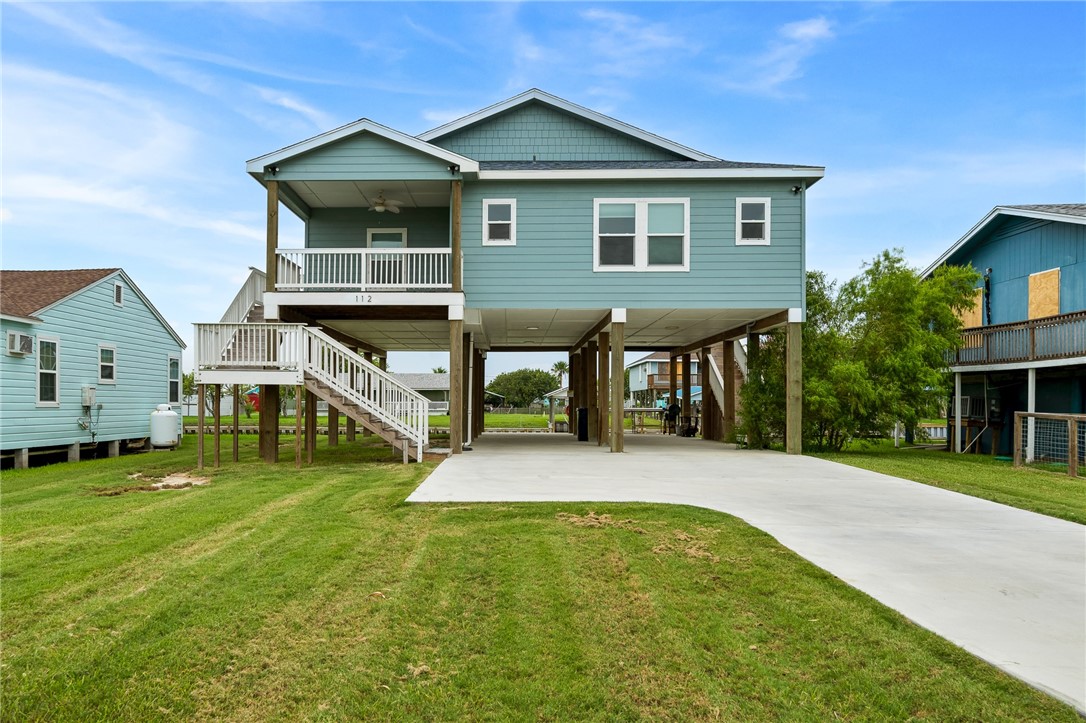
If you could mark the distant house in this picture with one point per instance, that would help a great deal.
(435, 387)
(87, 358)
(650, 377)
(1024, 345)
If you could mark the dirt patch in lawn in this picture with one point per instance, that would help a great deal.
(144, 483)
(594, 520)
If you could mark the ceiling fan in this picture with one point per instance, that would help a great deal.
(381, 204)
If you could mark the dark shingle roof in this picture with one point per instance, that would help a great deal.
(618, 165)
(24, 293)
(1067, 209)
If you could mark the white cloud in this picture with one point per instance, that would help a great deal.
(433, 36)
(627, 46)
(782, 61)
(318, 118)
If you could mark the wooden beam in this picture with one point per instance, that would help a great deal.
(456, 257)
(794, 380)
(237, 396)
(269, 422)
(618, 338)
(685, 406)
(333, 426)
(310, 425)
(673, 381)
(603, 393)
(216, 390)
(591, 369)
(763, 324)
(469, 387)
(710, 412)
(591, 333)
(727, 404)
(299, 392)
(456, 385)
(199, 427)
(271, 265)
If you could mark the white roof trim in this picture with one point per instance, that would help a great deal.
(653, 173)
(132, 285)
(256, 165)
(20, 319)
(573, 108)
(1000, 211)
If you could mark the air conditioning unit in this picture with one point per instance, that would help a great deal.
(20, 343)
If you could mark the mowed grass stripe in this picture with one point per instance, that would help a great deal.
(285, 595)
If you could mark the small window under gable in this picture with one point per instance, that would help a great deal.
(499, 222)
(752, 221)
(48, 372)
(107, 364)
(174, 380)
(118, 293)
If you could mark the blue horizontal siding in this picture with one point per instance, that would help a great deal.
(363, 157)
(551, 265)
(538, 132)
(329, 228)
(82, 323)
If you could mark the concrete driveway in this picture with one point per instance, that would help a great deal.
(1007, 585)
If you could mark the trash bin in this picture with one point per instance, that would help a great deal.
(582, 424)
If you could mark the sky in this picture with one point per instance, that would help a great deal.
(126, 126)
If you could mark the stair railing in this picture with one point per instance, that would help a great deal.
(367, 386)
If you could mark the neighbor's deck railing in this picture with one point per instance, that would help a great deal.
(1053, 337)
(249, 346)
(362, 269)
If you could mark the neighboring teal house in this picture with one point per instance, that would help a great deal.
(650, 377)
(1024, 346)
(87, 359)
(532, 225)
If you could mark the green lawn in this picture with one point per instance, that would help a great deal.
(274, 594)
(493, 421)
(1047, 492)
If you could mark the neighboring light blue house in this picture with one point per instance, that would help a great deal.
(1024, 346)
(650, 378)
(532, 225)
(87, 358)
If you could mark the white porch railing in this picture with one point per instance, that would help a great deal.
(314, 354)
(250, 293)
(362, 269)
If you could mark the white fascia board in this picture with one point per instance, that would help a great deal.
(983, 224)
(20, 319)
(256, 165)
(1017, 366)
(273, 300)
(248, 377)
(572, 108)
(601, 174)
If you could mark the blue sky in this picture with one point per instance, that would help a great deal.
(126, 125)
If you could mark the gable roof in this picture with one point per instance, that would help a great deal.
(256, 166)
(538, 96)
(26, 294)
(424, 381)
(1065, 212)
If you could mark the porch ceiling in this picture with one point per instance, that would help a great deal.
(548, 329)
(356, 194)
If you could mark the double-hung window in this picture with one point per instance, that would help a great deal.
(499, 222)
(642, 234)
(48, 373)
(752, 221)
(174, 379)
(107, 364)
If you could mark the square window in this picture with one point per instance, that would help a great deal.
(500, 222)
(616, 250)
(752, 221)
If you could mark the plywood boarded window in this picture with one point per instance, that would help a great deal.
(1044, 294)
(974, 316)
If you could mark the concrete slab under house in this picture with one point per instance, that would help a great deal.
(532, 225)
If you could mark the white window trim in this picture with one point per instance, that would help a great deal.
(38, 370)
(739, 240)
(180, 379)
(512, 240)
(118, 292)
(641, 235)
(371, 231)
(113, 348)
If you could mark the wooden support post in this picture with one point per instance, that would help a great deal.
(673, 381)
(468, 371)
(574, 390)
(710, 412)
(686, 387)
(618, 348)
(591, 367)
(310, 425)
(794, 380)
(217, 396)
(604, 389)
(456, 385)
(727, 404)
(269, 422)
(456, 258)
(234, 436)
(299, 393)
(480, 393)
(270, 268)
(200, 426)
(1072, 447)
(333, 426)
(1017, 447)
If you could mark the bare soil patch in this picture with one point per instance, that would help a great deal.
(144, 483)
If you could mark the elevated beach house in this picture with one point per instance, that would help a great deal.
(1024, 345)
(87, 358)
(532, 225)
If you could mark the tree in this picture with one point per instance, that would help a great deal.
(872, 354)
(189, 389)
(439, 370)
(523, 386)
(560, 369)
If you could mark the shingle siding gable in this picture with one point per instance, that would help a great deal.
(537, 132)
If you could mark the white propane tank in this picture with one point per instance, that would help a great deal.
(164, 427)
